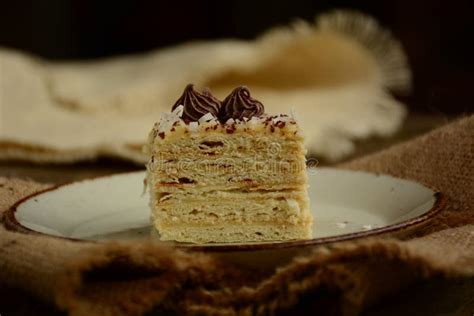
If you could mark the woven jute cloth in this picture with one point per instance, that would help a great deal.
(132, 278)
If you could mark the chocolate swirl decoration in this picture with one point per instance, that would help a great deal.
(197, 104)
(240, 104)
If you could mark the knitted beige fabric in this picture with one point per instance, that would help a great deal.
(130, 278)
(337, 72)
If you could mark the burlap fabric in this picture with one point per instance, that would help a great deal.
(131, 278)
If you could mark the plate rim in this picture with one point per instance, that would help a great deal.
(12, 224)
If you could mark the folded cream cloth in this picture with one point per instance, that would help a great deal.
(130, 278)
(336, 73)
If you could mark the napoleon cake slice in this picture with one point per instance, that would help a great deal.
(227, 172)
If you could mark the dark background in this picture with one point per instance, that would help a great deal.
(437, 35)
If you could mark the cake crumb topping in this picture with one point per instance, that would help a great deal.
(198, 112)
(171, 124)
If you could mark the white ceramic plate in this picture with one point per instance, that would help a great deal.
(345, 205)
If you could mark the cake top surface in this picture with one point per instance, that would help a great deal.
(198, 112)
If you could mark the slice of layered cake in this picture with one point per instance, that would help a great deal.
(227, 172)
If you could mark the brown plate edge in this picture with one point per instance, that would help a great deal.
(11, 223)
